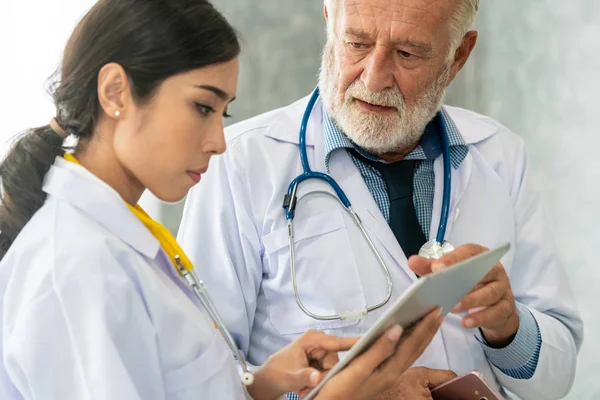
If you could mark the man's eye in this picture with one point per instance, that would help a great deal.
(357, 45)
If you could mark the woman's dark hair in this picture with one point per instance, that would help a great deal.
(152, 40)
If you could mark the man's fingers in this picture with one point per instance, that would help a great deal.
(462, 253)
(438, 266)
(420, 265)
(436, 377)
(495, 274)
(486, 295)
(490, 317)
(424, 266)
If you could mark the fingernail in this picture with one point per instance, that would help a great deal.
(438, 266)
(457, 308)
(469, 323)
(438, 313)
(313, 378)
(394, 333)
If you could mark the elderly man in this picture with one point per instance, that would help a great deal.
(378, 128)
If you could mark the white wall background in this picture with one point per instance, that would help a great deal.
(536, 69)
(33, 34)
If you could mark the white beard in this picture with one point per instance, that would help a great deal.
(378, 134)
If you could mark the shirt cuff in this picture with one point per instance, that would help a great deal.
(520, 358)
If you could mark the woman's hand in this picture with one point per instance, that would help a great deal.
(299, 366)
(378, 369)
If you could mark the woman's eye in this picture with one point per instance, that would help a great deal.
(204, 110)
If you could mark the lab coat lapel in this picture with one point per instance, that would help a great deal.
(345, 172)
(79, 187)
(286, 127)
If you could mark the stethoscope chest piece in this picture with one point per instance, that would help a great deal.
(435, 250)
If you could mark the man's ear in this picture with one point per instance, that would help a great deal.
(462, 53)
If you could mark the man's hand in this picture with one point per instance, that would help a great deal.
(416, 384)
(491, 304)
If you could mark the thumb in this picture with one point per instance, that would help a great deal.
(420, 265)
(436, 377)
(306, 377)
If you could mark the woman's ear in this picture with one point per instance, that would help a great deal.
(114, 93)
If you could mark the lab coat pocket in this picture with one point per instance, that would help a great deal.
(202, 376)
(327, 277)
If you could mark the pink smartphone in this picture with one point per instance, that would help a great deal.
(470, 386)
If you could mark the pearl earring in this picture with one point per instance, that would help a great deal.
(117, 113)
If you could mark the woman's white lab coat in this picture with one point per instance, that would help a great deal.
(245, 258)
(93, 309)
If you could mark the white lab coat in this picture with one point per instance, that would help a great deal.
(93, 309)
(234, 230)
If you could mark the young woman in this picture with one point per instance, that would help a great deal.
(92, 303)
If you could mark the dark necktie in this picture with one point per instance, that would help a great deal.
(399, 181)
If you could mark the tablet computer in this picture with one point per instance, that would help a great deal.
(443, 289)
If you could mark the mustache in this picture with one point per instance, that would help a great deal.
(390, 97)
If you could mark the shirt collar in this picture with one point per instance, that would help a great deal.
(429, 146)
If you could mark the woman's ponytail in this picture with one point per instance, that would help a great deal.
(21, 175)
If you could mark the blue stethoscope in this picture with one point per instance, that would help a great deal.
(432, 249)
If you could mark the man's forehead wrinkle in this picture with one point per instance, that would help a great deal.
(400, 14)
(357, 4)
(435, 3)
